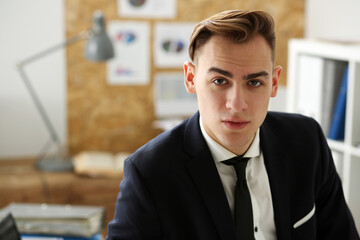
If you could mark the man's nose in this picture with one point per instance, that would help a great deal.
(236, 99)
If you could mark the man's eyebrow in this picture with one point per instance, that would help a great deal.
(255, 75)
(221, 71)
(245, 77)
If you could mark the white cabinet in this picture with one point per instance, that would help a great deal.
(307, 85)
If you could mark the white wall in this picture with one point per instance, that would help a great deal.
(278, 103)
(27, 27)
(336, 20)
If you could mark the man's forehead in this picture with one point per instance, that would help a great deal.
(216, 44)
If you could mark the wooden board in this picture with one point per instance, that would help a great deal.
(119, 118)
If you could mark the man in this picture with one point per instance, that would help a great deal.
(178, 186)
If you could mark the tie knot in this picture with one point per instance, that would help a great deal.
(239, 164)
(236, 160)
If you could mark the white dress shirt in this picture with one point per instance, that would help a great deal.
(257, 180)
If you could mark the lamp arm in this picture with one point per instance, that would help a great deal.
(43, 53)
(31, 90)
(38, 105)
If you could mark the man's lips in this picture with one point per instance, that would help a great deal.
(236, 125)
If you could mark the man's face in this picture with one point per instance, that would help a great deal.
(233, 83)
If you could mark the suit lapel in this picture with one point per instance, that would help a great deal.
(205, 176)
(277, 169)
(203, 171)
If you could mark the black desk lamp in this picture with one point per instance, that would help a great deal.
(98, 48)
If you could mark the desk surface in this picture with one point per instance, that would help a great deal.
(20, 181)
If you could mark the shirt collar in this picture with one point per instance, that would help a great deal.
(220, 153)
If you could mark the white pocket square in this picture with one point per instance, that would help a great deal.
(305, 219)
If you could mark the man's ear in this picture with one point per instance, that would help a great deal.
(189, 77)
(275, 80)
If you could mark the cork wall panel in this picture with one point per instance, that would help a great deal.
(119, 118)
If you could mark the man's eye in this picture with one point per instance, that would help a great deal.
(220, 81)
(254, 83)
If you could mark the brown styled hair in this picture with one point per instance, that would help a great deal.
(237, 25)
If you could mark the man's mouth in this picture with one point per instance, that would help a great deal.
(236, 125)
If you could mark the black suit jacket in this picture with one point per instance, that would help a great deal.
(172, 190)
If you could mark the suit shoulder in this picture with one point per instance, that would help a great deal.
(291, 123)
(168, 143)
(289, 119)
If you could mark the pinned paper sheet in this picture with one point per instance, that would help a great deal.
(171, 98)
(147, 8)
(172, 43)
(131, 64)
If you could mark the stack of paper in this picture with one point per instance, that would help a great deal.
(100, 164)
(60, 220)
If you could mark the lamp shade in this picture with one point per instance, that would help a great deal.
(99, 46)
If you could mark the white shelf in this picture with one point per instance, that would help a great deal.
(325, 49)
(348, 149)
(336, 145)
(355, 151)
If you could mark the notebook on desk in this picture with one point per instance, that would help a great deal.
(54, 219)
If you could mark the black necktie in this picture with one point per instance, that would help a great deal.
(243, 208)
